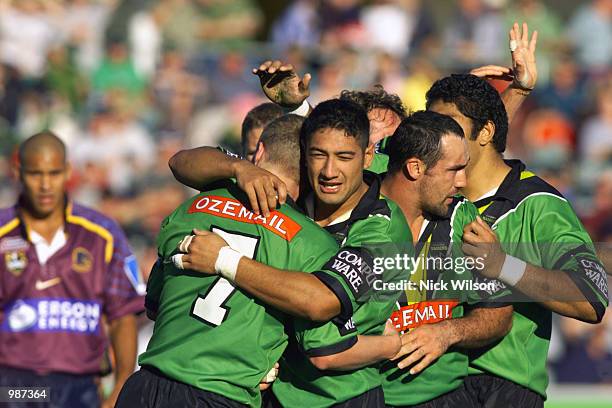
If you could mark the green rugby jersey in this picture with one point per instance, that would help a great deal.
(209, 333)
(441, 260)
(535, 223)
(381, 159)
(376, 228)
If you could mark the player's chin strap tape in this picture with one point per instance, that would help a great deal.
(227, 263)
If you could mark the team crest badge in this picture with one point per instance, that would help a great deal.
(81, 260)
(15, 261)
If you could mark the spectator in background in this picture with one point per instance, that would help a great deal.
(11, 88)
(595, 140)
(476, 34)
(229, 23)
(117, 72)
(297, 26)
(340, 23)
(590, 32)
(27, 32)
(119, 145)
(566, 92)
(83, 23)
(396, 26)
(66, 266)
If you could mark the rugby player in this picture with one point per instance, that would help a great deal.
(253, 124)
(212, 343)
(539, 248)
(66, 268)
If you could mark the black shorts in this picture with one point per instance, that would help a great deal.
(65, 390)
(373, 398)
(148, 388)
(458, 398)
(496, 392)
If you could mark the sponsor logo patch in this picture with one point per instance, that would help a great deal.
(278, 223)
(417, 314)
(52, 315)
(353, 265)
(595, 272)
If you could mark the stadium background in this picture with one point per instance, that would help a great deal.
(128, 83)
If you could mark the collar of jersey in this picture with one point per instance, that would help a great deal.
(507, 189)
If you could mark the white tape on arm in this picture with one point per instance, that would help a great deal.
(227, 263)
(512, 271)
(302, 110)
(271, 376)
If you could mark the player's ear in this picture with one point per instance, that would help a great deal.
(259, 153)
(414, 168)
(368, 156)
(68, 170)
(485, 136)
(15, 167)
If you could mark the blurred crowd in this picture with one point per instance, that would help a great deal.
(127, 83)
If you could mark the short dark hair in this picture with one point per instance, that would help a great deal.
(420, 135)
(376, 97)
(281, 139)
(42, 140)
(475, 98)
(341, 115)
(259, 117)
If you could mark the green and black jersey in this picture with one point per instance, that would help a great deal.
(381, 159)
(209, 333)
(439, 289)
(375, 230)
(535, 223)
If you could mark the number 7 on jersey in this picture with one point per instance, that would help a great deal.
(210, 307)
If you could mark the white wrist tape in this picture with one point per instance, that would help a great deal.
(512, 270)
(227, 263)
(271, 376)
(183, 246)
(177, 260)
(302, 110)
(513, 45)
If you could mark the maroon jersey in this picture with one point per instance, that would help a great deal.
(50, 315)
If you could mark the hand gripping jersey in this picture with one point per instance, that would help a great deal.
(375, 230)
(439, 289)
(536, 224)
(209, 333)
(51, 312)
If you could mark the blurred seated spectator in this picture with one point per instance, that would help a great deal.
(229, 23)
(11, 88)
(297, 26)
(118, 144)
(566, 91)
(117, 72)
(590, 32)
(27, 32)
(341, 24)
(601, 208)
(64, 79)
(83, 23)
(176, 92)
(595, 141)
(475, 34)
(549, 138)
(396, 26)
(587, 355)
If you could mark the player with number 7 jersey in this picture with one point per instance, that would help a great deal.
(208, 333)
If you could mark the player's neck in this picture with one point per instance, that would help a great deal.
(485, 175)
(44, 226)
(404, 194)
(327, 214)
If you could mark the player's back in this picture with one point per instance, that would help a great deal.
(208, 333)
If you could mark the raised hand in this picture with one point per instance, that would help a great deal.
(282, 85)
(523, 56)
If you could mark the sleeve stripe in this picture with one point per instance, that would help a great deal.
(346, 307)
(97, 229)
(9, 226)
(332, 349)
